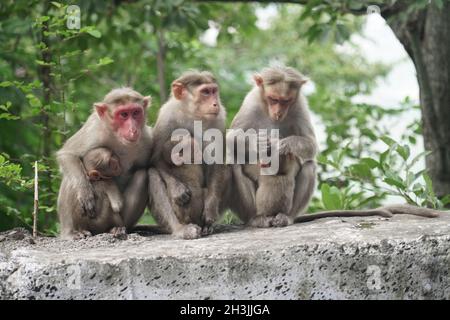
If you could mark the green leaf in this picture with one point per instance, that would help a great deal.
(33, 101)
(56, 4)
(8, 116)
(395, 182)
(105, 61)
(330, 197)
(361, 170)
(389, 141)
(369, 133)
(372, 163)
(95, 33)
(43, 63)
(403, 151)
(5, 84)
(428, 184)
(446, 200)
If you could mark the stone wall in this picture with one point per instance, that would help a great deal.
(348, 258)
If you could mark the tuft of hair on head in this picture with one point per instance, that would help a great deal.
(193, 78)
(123, 95)
(275, 74)
(97, 157)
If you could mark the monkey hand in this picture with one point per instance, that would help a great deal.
(181, 194)
(86, 198)
(177, 159)
(284, 147)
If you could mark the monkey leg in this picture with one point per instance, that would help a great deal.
(305, 183)
(242, 194)
(135, 199)
(162, 210)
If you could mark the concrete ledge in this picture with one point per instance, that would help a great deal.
(352, 258)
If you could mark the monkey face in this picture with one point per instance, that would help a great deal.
(206, 101)
(278, 98)
(128, 121)
(278, 103)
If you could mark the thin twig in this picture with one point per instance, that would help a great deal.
(36, 199)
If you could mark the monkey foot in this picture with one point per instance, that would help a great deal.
(78, 235)
(208, 230)
(188, 232)
(282, 220)
(119, 233)
(260, 222)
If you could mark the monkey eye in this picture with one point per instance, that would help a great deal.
(136, 113)
(124, 115)
(272, 100)
(206, 92)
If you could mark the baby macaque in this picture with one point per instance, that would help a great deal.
(275, 193)
(101, 167)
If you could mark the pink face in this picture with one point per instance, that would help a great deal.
(128, 120)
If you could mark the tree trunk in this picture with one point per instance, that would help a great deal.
(426, 37)
(160, 67)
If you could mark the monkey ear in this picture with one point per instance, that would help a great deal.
(258, 80)
(147, 102)
(178, 90)
(101, 109)
(303, 81)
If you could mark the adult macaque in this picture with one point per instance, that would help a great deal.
(186, 198)
(101, 167)
(276, 102)
(118, 124)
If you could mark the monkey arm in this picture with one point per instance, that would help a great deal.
(75, 174)
(303, 147)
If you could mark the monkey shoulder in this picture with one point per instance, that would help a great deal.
(85, 139)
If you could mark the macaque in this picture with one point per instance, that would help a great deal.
(275, 192)
(279, 200)
(101, 167)
(118, 123)
(185, 198)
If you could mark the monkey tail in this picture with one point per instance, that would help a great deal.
(343, 213)
(386, 211)
(413, 210)
(149, 228)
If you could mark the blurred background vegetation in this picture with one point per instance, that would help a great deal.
(51, 75)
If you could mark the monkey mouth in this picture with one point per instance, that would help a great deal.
(277, 119)
(130, 140)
